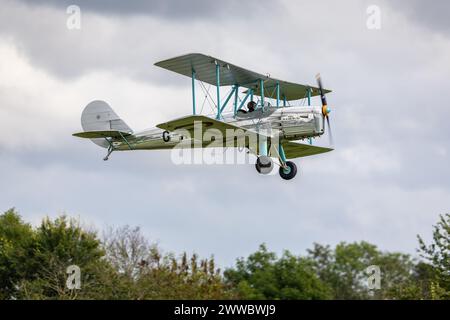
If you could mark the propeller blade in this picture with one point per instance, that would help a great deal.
(330, 135)
(325, 109)
(322, 95)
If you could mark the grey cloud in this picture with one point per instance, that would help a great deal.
(125, 44)
(433, 16)
(171, 9)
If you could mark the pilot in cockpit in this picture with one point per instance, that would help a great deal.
(251, 106)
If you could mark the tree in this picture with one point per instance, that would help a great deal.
(17, 243)
(344, 270)
(57, 245)
(437, 254)
(147, 273)
(263, 276)
(125, 265)
(33, 264)
(127, 249)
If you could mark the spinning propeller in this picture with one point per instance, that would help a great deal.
(325, 109)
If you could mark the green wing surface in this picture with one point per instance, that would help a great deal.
(297, 150)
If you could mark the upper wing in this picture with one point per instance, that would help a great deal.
(297, 150)
(102, 134)
(205, 70)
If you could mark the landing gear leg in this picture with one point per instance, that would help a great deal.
(110, 150)
(288, 169)
(264, 163)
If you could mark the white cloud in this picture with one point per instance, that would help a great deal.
(39, 110)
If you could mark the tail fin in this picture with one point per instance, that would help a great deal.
(99, 116)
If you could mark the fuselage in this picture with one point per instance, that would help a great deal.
(288, 123)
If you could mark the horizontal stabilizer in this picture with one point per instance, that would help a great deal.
(102, 134)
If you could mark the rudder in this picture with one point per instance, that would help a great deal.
(99, 116)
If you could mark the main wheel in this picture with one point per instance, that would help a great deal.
(264, 164)
(289, 172)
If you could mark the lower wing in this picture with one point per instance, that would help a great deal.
(297, 150)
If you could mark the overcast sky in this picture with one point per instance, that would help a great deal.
(386, 182)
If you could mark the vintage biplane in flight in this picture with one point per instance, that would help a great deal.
(267, 130)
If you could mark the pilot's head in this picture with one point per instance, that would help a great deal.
(251, 106)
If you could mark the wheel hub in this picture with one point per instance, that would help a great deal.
(287, 169)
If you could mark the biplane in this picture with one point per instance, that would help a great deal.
(262, 117)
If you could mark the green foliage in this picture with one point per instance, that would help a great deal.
(144, 272)
(437, 254)
(56, 245)
(344, 269)
(183, 278)
(16, 244)
(33, 264)
(263, 276)
(124, 265)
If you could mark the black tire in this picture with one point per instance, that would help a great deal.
(288, 175)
